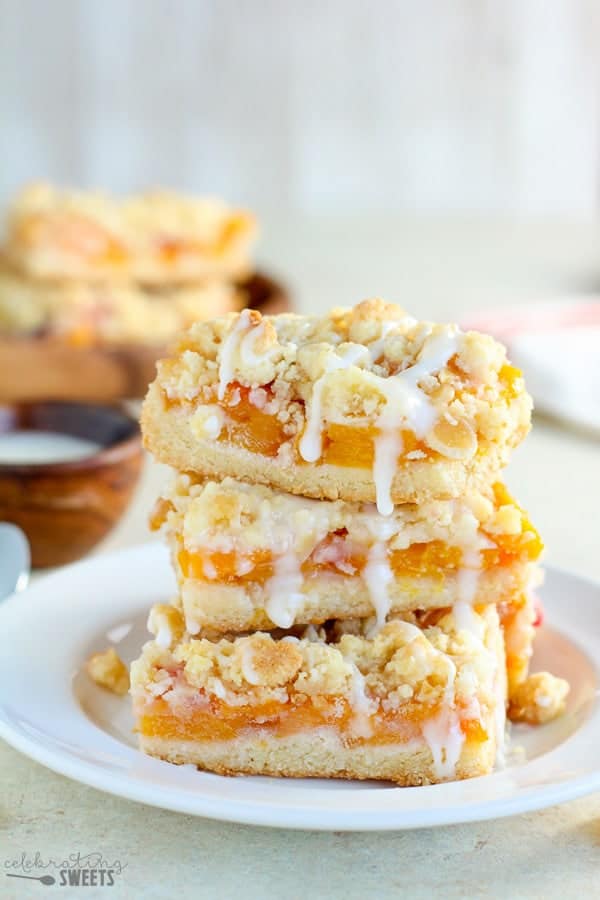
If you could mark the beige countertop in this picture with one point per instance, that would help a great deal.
(438, 269)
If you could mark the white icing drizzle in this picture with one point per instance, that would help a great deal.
(212, 427)
(467, 620)
(377, 572)
(311, 443)
(229, 348)
(218, 689)
(362, 705)
(468, 576)
(445, 740)
(243, 565)
(248, 354)
(388, 446)
(375, 348)
(164, 636)
(247, 664)
(467, 583)
(310, 633)
(158, 625)
(406, 403)
(378, 575)
(192, 625)
(443, 733)
(209, 569)
(207, 421)
(284, 590)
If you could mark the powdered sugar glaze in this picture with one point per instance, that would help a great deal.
(405, 403)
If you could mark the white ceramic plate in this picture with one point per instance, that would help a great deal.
(52, 712)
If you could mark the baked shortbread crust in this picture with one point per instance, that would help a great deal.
(250, 557)
(364, 404)
(411, 705)
(153, 238)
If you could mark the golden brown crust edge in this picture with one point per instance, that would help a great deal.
(318, 756)
(223, 608)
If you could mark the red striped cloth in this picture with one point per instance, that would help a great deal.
(557, 345)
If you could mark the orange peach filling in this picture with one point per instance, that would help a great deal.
(433, 559)
(511, 379)
(343, 444)
(249, 427)
(216, 721)
(226, 567)
(81, 336)
(76, 235)
(516, 618)
(348, 445)
(172, 249)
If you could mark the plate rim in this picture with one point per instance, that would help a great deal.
(228, 809)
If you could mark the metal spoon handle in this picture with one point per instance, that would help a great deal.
(15, 560)
(45, 879)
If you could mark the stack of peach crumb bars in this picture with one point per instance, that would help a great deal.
(94, 269)
(355, 583)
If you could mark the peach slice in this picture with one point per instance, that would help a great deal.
(217, 720)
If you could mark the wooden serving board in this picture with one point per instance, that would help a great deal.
(46, 368)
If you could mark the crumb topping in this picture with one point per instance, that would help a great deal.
(292, 352)
(401, 663)
(370, 367)
(289, 353)
(233, 516)
(541, 698)
(48, 225)
(109, 671)
(165, 622)
(85, 312)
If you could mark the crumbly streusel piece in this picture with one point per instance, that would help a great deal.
(105, 312)
(109, 671)
(250, 557)
(155, 238)
(364, 404)
(539, 699)
(411, 705)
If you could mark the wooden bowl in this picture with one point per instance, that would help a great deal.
(66, 508)
(48, 368)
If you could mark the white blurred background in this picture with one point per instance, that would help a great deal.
(333, 107)
(444, 154)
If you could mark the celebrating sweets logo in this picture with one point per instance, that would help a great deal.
(75, 870)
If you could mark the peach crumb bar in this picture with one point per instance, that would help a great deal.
(410, 705)
(250, 557)
(89, 313)
(153, 238)
(364, 404)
